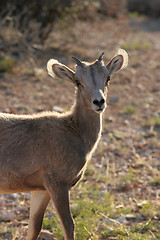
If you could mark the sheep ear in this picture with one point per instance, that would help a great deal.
(120, 61)
(56, 69)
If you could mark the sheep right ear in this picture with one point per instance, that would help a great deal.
(120, 61)
(56, 69)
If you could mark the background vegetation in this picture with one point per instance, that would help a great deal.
(119, 196)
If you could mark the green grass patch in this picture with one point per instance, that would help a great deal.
(96, 215)
(153, 121)
(145, 227)
(137, 46)
(149, 210)
(156, 181)
(118, 232)
(53, 224)
(89, 172)
(87, 212)
(6, 64)
(136, 14)
(129, 110)
(128, 180)
(6, 231)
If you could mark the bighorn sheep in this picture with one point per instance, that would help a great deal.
(47, 153)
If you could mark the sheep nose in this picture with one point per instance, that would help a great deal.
(99, 103)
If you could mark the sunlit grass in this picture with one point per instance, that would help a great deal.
(96, 215)
(149, 210)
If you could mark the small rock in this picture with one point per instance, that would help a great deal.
(110, 119)
(37, 46)
(39, 72)
(109, 229)
(103, 187)
(27, 196)
(16, 222)
(20, 209)
(118, 135)
(105, 162)
(114, 99)
(2, 202)
(121, 219)
(46, 235)
(150, 99)
(109, 220)
(148, 152)
(7, 217)
(57, 109)
(50, 215)
(103, 192)
(97, 165)
(130, 217)
(3, 44)
(139, 217)
(146, 106)
(120, 206)
(15, 195)
(126, 122)
(74, 206)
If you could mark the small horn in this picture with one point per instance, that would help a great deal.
(101, 57)
(78, 62)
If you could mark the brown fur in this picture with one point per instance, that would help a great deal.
(47, 153)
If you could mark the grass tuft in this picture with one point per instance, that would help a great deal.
(129, 110)
(153, 121)
(6, 64)
(156, 181)
(149, 210)
(136, 46)
(128, 180)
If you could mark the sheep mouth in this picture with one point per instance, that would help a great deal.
(99, 110)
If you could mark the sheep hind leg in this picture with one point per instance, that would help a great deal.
(39, 202)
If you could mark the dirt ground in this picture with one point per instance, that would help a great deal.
(131, 122)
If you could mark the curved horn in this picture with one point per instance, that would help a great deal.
(78, 62)
(101, 57)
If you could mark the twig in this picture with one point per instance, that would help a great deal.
(146, 224)
(115, 221)
(152, 234)
(90, 234)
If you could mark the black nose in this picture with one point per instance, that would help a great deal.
(98, 103)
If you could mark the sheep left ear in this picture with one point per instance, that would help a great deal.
(120, 61)
(56, 69)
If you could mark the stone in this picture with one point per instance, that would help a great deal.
(46, 235)
(114, 99)
(2, 202)
(7, 217)
(121, 219)
(58, 109)
(74, 206)
(130, 217)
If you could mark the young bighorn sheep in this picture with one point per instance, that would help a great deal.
(47, 153)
